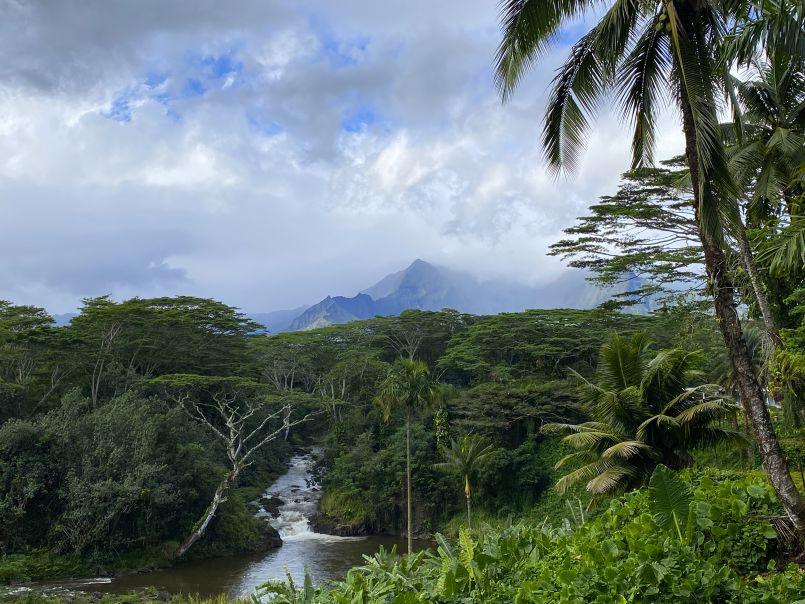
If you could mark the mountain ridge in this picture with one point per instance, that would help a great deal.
(425, 286)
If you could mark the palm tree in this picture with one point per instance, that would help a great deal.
(644, 52)
(768, 146)
(463, 457)
(644, 414)
(771, 142)
(407, 386)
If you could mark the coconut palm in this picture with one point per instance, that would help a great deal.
(407, 386)
(643, 52)
(768, 146)
(644, 414)
(772, 137)
(463, 457)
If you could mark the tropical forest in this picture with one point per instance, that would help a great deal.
(433, 439)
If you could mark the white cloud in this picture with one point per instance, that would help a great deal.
(271, 155)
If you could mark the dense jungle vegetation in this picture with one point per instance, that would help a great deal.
(597, 456)
(103, 454)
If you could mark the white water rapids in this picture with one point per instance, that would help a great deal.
(323, 556)
(299, 495)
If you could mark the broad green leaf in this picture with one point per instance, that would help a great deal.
(670, 499)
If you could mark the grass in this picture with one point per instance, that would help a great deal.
(133, 598)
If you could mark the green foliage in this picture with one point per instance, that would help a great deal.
(130, 474)
(623, 555)
(650, 224)
(670, 500)
(532, 344)
(19, 568)
(345, 507)
(146, 596)
(644, 414)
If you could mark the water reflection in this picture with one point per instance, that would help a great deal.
(325, 558)
(288, 505)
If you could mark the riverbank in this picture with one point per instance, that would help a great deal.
(289, 504)
(143, 597)
(245, 535)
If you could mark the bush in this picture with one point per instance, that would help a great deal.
(625, 554)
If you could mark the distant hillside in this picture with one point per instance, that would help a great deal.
(277, 320)
(425, 286)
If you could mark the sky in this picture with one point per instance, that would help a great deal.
(269, 153)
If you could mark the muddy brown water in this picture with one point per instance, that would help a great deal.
(323, 556)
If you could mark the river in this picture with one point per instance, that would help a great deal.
(324, 556)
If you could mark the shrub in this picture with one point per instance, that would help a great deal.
(628, 553)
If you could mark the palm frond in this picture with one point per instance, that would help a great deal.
(574, 94)
(642, 79)
(557, 428)
(667, 373)
(648, 430)
(578, 456)
(706, 412)
(586, 472)
(786, 254)
(620, 364)
(529, 27)
(610, 479)
(590, 440)
(690, 397)
(628, 449)
(712, 436)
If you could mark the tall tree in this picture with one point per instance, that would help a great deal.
(407, 386)
(647, 229)
(241, 417)
(644, 51)
(766, 151)
(464, 457)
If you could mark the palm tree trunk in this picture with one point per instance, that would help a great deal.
(469, 514)
(408, 479)
(760, 295)
(750, 392)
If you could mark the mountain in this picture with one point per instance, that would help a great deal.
(277, 320)
(425, 286)
(335, 310)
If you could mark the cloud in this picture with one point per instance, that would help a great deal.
(273, 154)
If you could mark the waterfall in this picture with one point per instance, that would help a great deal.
(293, 499)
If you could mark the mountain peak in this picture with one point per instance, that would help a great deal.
(425, 286)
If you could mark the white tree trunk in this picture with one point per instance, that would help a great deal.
(201, 526)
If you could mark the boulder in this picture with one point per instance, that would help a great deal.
(270, 538)
(272, 505)
(322, 525)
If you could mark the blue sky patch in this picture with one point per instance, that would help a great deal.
(154, 79)
(193, 87)
(265, 126)
(338, 52)
(222, 66)
(358, 120)
(120, 111)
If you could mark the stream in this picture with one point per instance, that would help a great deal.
(324, 556)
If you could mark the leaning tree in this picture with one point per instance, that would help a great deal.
(644, 52)
(242, 415)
